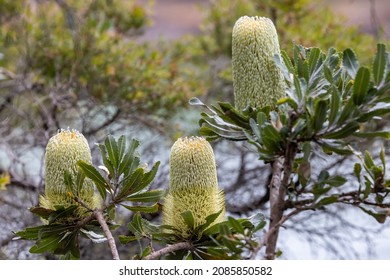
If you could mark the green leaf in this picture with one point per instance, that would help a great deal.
(368, 161)
(79, 182)
(106, 161)
(321, 109)
(343, 132)
(130, 185)
(380, 218)
(236, 225)
(188, 219)
(357, 170)
(144, 209)
(61, 213)
(209, 220)
(91, 172)
(350, 63)
(68, 181)
(112, 150)
(327, 200)
(129, 162)
(379, 64)
(334, 105)
(149, 196)
(127, 239)
(41, 212)
(360, 85)
(382, 156)
(336, 181)
(382, 134)
(121, 147)
(260, 226)
(314, 55)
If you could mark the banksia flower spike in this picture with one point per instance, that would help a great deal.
(63, 151)
(257, 81)
(193, 184)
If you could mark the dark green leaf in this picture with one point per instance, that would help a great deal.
(360, 85)
(350, 63)
(336, 181)
(188, 219)
(149, 196)
(62, 213)
(106, 161)
(357, 170)
(41, 212)
(129, 162)
(343, 132)
(91, 172)
(130, 185)
(327, 200)
(382, 134)
(112, 150)
(68, 181)
(236, 225)
(260, 226)
(314, 55)
(144, 209)
(127, 239)
(379, 63)
(321, 109)
(121, 147)
(380, 218)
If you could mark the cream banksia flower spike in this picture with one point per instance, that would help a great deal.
(193, 184)
(257, 81)
(63, 151)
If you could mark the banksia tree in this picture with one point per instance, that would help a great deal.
(257, 81)
(63, 151)
(193, 185)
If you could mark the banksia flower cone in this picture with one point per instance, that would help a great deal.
(193, 184)
(62, 153)
(257, 81)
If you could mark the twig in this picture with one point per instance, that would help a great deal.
(169, 249)
(111, 241)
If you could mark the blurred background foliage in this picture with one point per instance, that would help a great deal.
(83, 64)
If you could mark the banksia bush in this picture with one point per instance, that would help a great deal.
(63, 151)
(257, 81)
(193, 185)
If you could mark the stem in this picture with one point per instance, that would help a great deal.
(111, 241)
(276, 210)
(169, 249)
(278, 188)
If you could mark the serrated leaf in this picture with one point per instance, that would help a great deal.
(91, 172)
(379, 64)
(149, 196)
(350, 62)
(360, 85)
(121, 147)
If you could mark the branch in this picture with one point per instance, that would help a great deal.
(111, 242)
(169, 249)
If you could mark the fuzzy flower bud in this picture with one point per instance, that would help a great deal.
(193, 184)
(62, 153)
(257, 81)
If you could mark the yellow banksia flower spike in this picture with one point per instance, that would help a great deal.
(257, 81)
(63, 151)
(193, 184)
